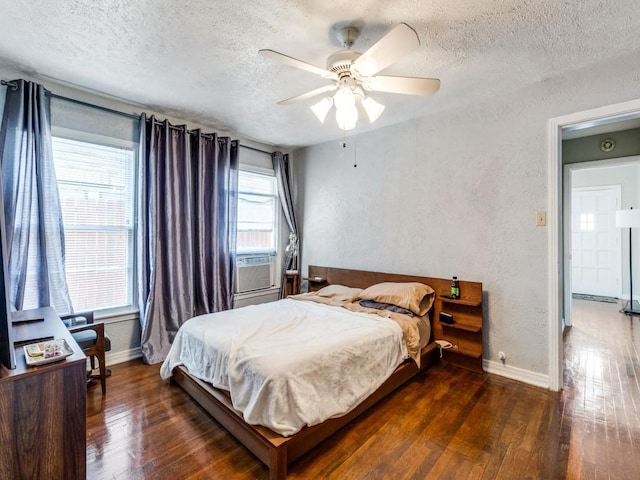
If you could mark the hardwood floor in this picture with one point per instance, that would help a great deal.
(445, 424)
(601, 400)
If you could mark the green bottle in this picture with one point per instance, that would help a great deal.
(455, 288)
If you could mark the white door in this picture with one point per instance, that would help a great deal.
(595, 241)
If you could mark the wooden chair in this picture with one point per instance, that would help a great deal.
(92, 339)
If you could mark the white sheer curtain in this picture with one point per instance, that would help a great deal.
(281, 168)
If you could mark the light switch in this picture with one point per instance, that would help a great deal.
(541, 218)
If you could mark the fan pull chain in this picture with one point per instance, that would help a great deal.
(355, 154)
(343, 144)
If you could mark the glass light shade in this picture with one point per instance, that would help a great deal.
(321, 109)
(347, 117)
(373, 108)
(344, 98)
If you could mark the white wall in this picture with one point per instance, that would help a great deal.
(456, 194)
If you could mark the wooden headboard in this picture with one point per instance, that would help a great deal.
(466, 331)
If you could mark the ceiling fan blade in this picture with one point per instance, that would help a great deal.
(405, 85)
(312, 93)
(294, 62)
(399, 42)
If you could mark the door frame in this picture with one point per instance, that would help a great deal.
(555, 233)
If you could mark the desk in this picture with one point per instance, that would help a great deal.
(43, 409)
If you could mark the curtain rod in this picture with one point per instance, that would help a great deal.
(14, 86)
(255, 149)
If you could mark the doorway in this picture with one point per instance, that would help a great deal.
(610, 116)
(595, 255)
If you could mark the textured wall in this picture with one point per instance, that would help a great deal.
(456, 194)
(125, 338)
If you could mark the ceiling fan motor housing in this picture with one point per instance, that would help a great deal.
(340, 62)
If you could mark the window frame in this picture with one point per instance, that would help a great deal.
(276, 214)
(87, 137)
(280, 226)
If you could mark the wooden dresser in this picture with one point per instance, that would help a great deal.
(43, 409)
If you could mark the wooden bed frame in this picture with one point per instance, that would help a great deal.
(276, 451)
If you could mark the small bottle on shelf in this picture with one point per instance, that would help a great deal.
(455, 288)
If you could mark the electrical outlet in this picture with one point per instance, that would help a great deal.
(502, 356)
(541, 218)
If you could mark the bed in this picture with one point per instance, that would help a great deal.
(284, 442)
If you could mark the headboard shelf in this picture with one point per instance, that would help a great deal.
(315, 279)
(459, 301)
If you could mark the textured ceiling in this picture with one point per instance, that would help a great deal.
(198, 59)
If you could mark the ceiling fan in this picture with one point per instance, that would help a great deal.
(354, 74)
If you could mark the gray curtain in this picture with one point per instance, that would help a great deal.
(215, 181)
(33, 218)
(281, 168)
(188, 184)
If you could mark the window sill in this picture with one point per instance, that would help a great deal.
(118, 316)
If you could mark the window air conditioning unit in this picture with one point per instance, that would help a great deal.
(253, 273)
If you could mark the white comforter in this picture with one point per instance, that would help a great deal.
(289, 363)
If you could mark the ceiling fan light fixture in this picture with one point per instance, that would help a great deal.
(373, 108)
(347, 117)
(352, 73)
(344, 98)
(321, 109)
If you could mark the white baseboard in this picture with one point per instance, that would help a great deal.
(515, 373)
(123, 356)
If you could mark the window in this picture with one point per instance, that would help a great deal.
(256, 213)
(587, 221)
(96, 185)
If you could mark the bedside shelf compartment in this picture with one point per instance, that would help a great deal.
(461, 326)
(465, 317)
(464, 360)
(468, 353)
(466, 330)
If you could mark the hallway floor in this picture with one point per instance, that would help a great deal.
(601, 397)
